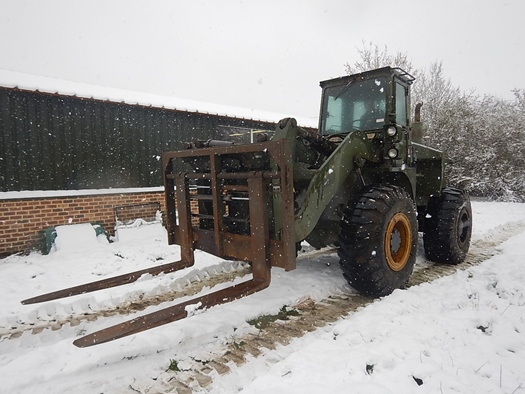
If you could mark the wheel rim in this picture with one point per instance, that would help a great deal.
(463, 226)
(398, 242)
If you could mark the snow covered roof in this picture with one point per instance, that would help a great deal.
(12, 79)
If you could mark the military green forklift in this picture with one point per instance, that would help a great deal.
(363, 182)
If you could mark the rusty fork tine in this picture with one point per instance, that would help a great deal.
(109, 282)
(171, 314)
(261, 269)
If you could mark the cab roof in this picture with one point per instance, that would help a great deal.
(383, 71)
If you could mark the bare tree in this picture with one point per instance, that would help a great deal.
(372, 56)
(483, 137)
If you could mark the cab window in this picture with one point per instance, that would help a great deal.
(401, 104)
(359, 105)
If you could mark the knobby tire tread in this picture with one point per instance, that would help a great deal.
(440, 237)
(362, 231)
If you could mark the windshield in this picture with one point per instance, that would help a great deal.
(356, 106)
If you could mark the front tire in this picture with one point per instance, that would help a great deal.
(378, 240)
(448, 227)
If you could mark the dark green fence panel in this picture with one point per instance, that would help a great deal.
(56, 142)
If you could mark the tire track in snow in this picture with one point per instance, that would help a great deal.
(199, 375)
(480, 250)
(189, 285)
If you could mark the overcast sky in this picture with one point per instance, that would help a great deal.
(267, 55)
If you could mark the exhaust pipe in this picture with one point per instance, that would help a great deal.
(417, 125)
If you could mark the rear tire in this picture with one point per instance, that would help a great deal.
(378, 240)
(448, 227)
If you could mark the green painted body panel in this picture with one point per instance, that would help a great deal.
(430, 172)
(360, 158)
(329, 179)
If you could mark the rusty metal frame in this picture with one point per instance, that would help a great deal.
(271, 186)
(219, 241)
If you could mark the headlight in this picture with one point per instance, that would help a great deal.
(392, 153)
(391, 131)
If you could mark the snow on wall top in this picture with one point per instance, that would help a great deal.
(29, 194)
(12, 79)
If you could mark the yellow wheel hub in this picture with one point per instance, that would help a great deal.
(398, 242)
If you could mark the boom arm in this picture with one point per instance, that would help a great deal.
(330, 177)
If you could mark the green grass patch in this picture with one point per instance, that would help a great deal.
(174, 366)
(264, 321)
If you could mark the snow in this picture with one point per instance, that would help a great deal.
(12, 79)
(24, 194)
(462, 333)
(79, 236)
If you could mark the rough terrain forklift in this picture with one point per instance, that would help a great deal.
(363, 182)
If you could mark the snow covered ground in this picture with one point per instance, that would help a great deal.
(463, 333)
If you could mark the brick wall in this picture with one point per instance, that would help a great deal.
(21, 219)
(126, 214)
